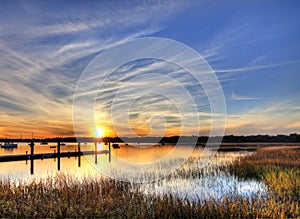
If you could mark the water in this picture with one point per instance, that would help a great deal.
(125, 163)
(48, 167)
(213, 182)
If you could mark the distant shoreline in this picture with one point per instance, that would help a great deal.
(256, 139)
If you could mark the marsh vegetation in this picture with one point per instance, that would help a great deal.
(63, 195)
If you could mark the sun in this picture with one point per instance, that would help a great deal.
(99, 133)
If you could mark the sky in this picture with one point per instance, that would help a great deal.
(252, 46)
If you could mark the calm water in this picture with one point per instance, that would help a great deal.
(136, 163)
(48, 167)
(88, 166)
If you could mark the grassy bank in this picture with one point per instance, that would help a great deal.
(278, 167)
(66, 196)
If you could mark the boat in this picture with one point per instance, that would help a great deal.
(9, 144)
(62, 144)
(44, 143)
(116, 146)
(52, 146)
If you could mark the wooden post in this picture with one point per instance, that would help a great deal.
(58, 155)
(78, 147)
(109, 158)
(79, 152)
(96, 160)
(31, 158)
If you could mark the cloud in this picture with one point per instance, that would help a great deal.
(251, 68)
(258, 59)
(43, 52)
(156, 87)
(45, 47)
(238, 97)
(271, 119)
(225, 40)
(294, 125)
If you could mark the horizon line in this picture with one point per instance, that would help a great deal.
(173, 136)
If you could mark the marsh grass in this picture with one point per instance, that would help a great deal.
(279, 169)
(68, 196)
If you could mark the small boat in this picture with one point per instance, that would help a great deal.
(52, 146)
(44, 143)
(9, 144)
(116, 146)
(62, 144)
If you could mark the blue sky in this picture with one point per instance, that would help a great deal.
(253, 46)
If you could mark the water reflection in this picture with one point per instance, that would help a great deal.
(46, 157)
(210, 182)
(205, 188)
(189, 181)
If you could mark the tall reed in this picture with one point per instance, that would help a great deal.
(68, 196)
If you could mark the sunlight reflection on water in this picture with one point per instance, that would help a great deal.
(206, 187)
(191, 180)
(212, 182)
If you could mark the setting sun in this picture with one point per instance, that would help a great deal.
(99, 133)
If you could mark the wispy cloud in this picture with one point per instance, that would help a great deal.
(234, 96)
(251, 68)
(44, 48)
(156, 88)
(269, 119)
(43, 55)
(258, 59)
(224, 41)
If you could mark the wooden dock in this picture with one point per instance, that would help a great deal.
(22, 157)
(56, 155)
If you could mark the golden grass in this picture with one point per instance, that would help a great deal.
(66, 196)
(277, 167)
(269, 164)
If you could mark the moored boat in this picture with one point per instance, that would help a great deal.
(116, 146)
(9, 144)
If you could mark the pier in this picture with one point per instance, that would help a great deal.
(55, 155)
(24, 157)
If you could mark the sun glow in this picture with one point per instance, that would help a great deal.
(99, 133)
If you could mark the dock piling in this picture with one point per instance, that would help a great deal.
(109, 158)
(96, 157)
(79, 152)
(31, 158)
(58, 155)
